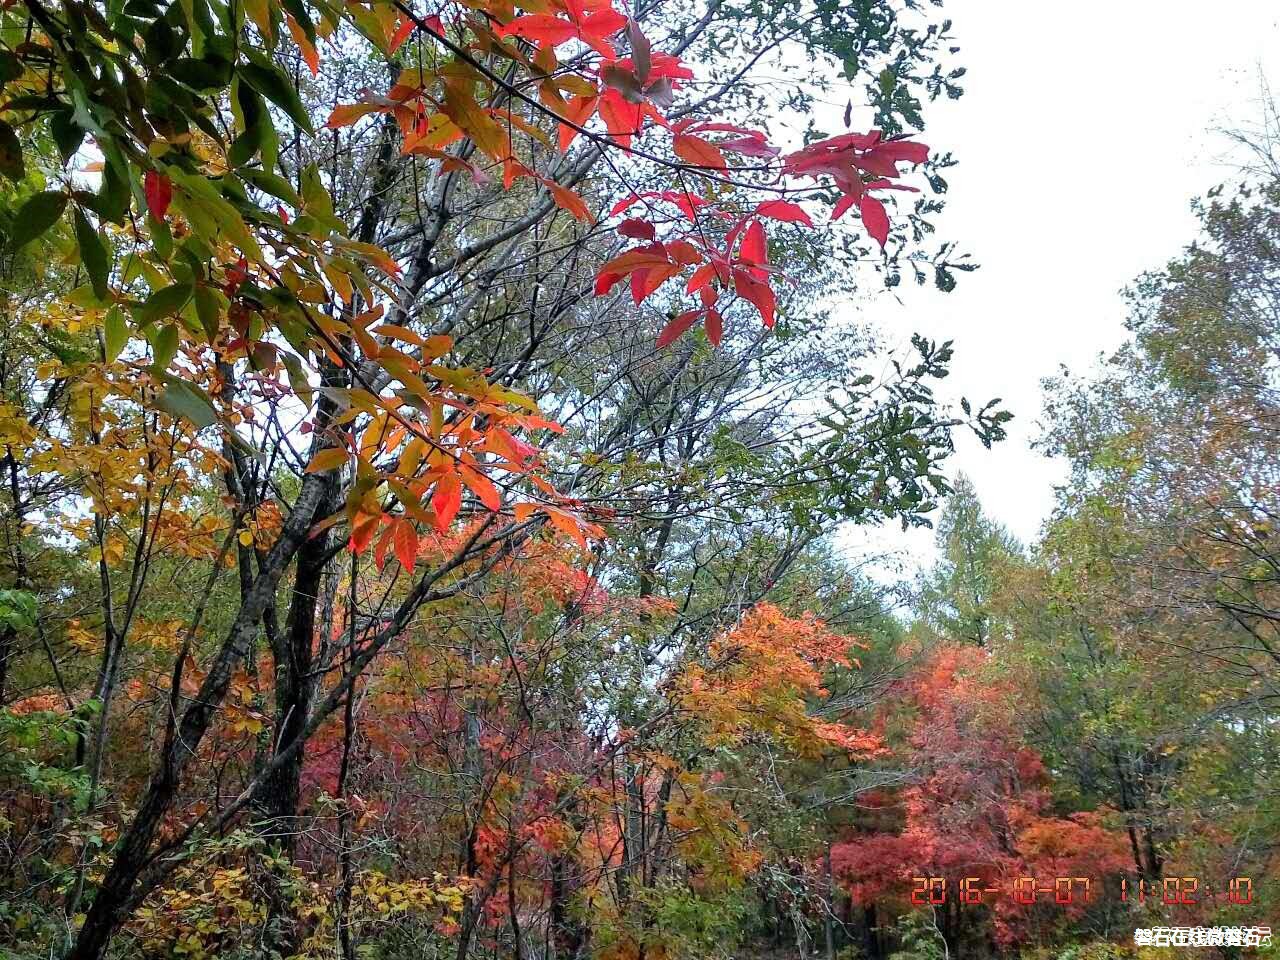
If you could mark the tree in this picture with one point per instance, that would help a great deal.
(976, 811)
(955, 597)
(408, 329)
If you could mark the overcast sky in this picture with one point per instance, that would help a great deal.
(1085, 130)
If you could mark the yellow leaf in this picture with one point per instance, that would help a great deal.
(329, 459)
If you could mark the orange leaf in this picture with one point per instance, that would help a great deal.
(580, 111)
(401, 34)
(566, 199)
(482, 487)
(363, 528)
(380, 551)
(406, 543)
(345, 114)
(304, 44)
(698, 152)
(640, 257)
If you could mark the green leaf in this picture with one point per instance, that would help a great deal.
(185, 400)
(252, 112)
(165, 346)
(163, 303)
(276, 186)
(11, 164)
(298, 379)
(210, 305)
(270, 81)
(10, 66)
(115, 333)
(200, 75)
(18, 609)
(67, 134)
(314, 195)
(94, 254)
(113, 194)
(36, 216)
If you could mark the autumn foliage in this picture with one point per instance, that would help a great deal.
(980, 810)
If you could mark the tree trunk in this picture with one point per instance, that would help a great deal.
(828, 920)
(133, 851)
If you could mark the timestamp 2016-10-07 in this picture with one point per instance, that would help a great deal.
(1065, 891)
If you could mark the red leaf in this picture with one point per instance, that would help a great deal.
(754, 250)
(637, 229)
(686, 201)
(622, 119)
(786, 211)
(753, 146)
(874, 218)
(758, 292)
(384, 544)
(701, 277)
(645, 282)
(406, 27)
(446, 500)
(159, 192)
(843, 205)
(676, 328)
(908, 151)
(283, 214)
(714, 325)
(406, 543)
(625, 203)
(541, 28)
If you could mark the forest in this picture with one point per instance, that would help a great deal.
(430, 429)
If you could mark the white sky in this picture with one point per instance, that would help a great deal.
(1084, 132)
